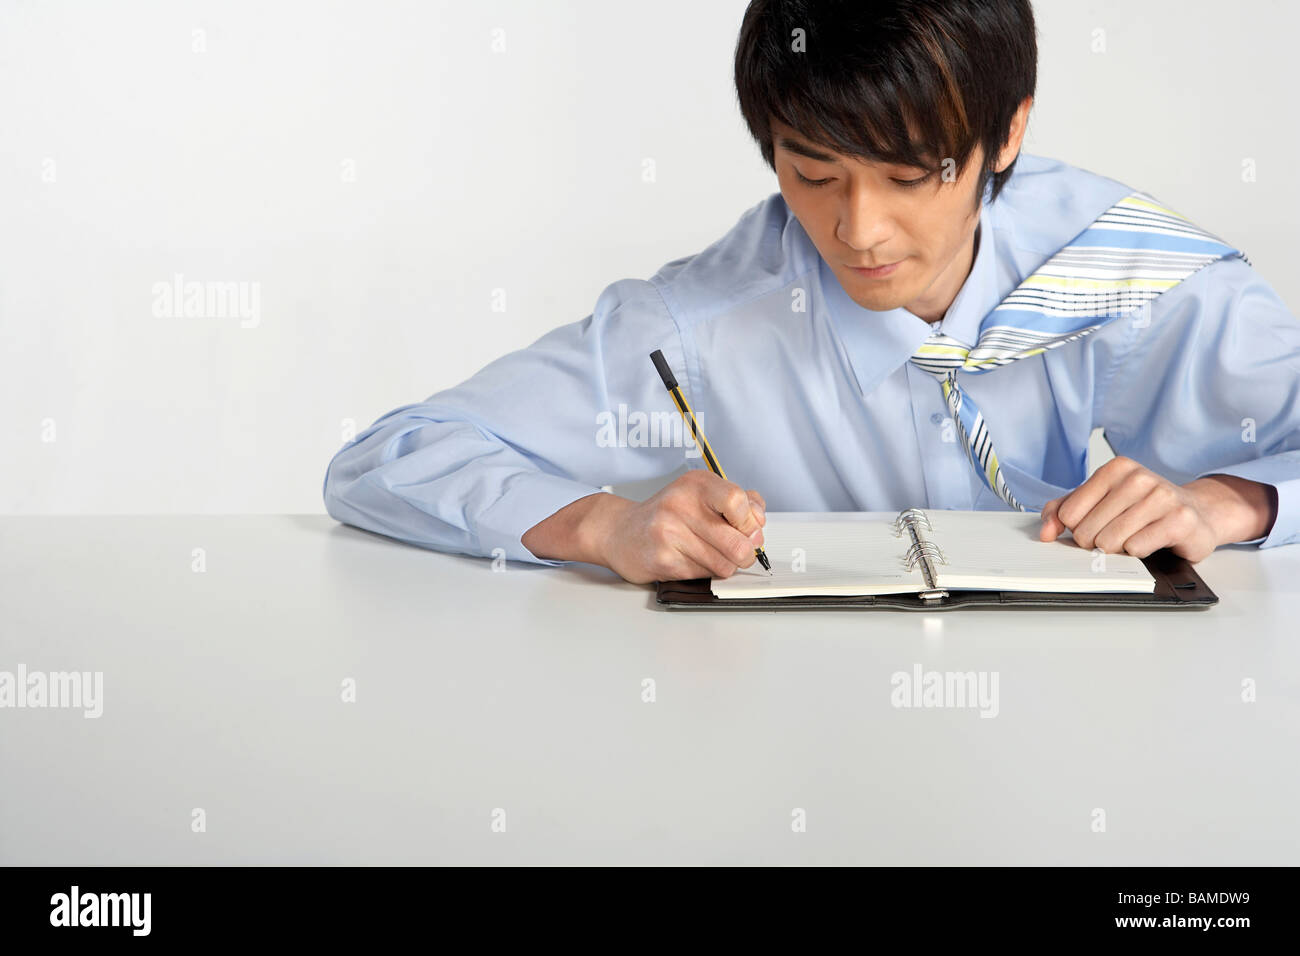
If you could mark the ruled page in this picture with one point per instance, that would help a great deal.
(1000, 550)
(838, 553)
(857, 553)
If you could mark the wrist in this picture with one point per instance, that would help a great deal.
(592, 527)
(1237, 509)
(577, 532)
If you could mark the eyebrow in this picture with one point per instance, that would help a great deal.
(803, 149)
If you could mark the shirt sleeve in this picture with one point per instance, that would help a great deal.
(1208, 382)
(474, 467)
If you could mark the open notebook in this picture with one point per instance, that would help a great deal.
(925, 552)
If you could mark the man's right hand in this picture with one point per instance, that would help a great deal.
(699, 526)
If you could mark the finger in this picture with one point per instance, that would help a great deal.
(1175, 529)
(759, 505)
(1126, 526)
(736, 547)
(1123, 494)
(679, 556)
(680, 568)
(701, 549)
(1075, 506)
(1053, 527)
(687, 569)
(669, 557)
(730, 500)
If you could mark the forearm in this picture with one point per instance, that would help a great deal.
(577, 532)
(443, 485)
(1238, 509)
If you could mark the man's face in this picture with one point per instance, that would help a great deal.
(865, 214)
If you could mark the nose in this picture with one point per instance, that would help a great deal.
(865, 220)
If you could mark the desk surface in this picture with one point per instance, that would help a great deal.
(522, 691)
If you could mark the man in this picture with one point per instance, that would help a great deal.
(922, 317)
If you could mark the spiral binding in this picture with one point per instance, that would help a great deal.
(923, 551)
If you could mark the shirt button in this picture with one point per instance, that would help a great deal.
(936, 418)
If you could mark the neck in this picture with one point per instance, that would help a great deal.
(934, 304)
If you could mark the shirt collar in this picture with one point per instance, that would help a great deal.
(879, 342)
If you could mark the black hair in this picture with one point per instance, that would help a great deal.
(863, 71)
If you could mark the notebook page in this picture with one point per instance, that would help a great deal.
(843, 553)
(1000, 550)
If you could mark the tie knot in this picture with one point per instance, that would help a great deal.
(940, 355)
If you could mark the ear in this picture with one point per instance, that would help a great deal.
(1019, 122)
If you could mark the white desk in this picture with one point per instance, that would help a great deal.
(522, 690)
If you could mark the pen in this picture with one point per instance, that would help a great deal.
(670, 383)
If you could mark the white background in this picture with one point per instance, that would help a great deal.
(127, 157)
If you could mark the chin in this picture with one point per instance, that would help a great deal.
(880, 306)
(879, 301)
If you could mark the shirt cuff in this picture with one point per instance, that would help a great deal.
(531, 498)
(1281, 472)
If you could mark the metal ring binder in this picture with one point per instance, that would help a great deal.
(911, 514)
(923, 551)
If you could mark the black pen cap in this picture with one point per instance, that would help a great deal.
(670, 380)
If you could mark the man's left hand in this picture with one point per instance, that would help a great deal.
(1124, 507)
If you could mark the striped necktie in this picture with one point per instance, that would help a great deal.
(1134, 251)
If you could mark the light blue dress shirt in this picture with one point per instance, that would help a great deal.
(810, 398)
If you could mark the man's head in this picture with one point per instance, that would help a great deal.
(887, 123)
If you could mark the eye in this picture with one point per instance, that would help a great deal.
(912, 183)
(812, 182)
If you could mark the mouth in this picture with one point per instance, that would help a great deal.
(879, 272)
